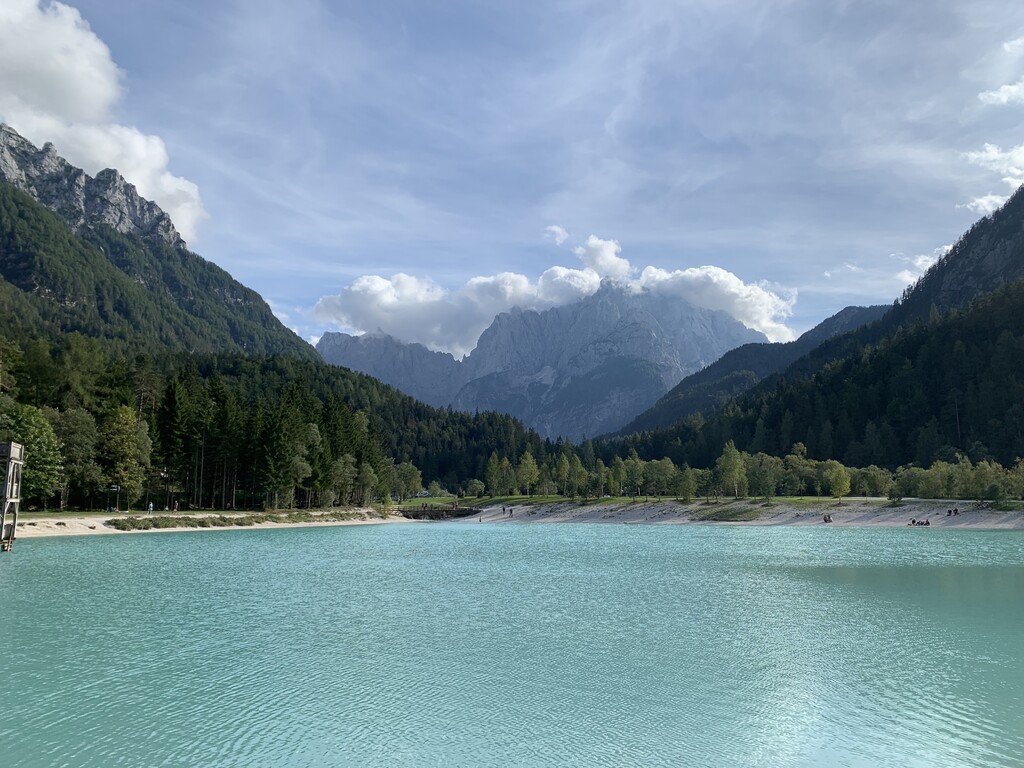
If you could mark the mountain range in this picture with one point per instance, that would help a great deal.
(607, 393)
(936, 374)
(104, 311)
(570, 371)
(90, 255)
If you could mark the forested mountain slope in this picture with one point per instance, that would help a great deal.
(987, 257)
(127, 360)
(141, 293)
(927, 391)
(929, 412)
(740, 369)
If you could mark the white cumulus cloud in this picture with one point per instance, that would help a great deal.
(602, 256)
(985, 204)
(906, 277)
(59, 83)
(1014, 46)
(756, 306)
(416, 309)
(919, 264)
(1007, 163)
(1012, 93)
(556, 233)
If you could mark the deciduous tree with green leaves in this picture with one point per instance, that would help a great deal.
(837, 477)
(527, 472)
(43, 472)
(730, 470)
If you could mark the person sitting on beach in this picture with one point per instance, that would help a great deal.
(927, 522)
(956, 510)
(949, 512)
(912, 522)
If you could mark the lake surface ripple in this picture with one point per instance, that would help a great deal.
(464, 644)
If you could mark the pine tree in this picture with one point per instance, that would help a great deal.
(123, 452)
(492, 475)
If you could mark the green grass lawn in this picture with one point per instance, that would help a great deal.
(734, 511)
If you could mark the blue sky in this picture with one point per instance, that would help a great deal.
(420, 166)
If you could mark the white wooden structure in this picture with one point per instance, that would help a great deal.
(12, 456)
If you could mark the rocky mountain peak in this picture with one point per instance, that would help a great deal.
(579, 369)
(81, 200)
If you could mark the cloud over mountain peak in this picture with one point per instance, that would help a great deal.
(417, 309)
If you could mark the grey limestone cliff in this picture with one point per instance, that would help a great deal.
(573, 371)
(430, 377)
(78, 198)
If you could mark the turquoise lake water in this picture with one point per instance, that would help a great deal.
(464, 644)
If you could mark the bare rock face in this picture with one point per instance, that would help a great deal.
(580, 370)
(78, 198)
(430, 377)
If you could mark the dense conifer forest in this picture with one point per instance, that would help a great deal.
(225, 431)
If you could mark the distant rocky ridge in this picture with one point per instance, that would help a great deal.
(430, 377)
(572, 371)
(80, 199)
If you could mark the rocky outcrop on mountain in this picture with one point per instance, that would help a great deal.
(572, 371)
(81, 200)
(431, 377)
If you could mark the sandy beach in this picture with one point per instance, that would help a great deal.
(852, 512)
(37, 526)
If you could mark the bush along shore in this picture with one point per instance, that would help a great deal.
(163, 522)
(64, 524)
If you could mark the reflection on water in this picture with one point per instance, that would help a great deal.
(515, 645)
